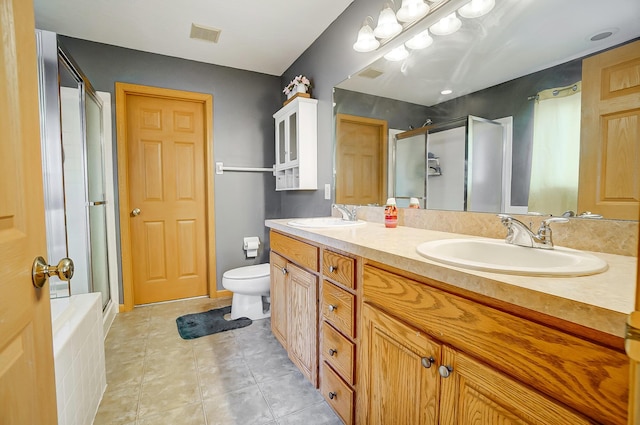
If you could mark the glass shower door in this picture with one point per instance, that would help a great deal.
(96, 196)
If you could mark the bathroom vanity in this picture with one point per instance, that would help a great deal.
(393, 337)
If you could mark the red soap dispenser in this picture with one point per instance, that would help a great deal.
(391, 213)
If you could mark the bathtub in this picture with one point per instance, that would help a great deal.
(78, 353)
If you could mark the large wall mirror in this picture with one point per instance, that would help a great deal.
(436, 112)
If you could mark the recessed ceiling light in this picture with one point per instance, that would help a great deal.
(447, 91)
(601, 35)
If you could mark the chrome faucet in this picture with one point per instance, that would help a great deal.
(347, 214)
(519, 233)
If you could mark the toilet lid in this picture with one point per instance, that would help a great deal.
(248, 272)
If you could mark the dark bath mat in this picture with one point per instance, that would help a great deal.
(195, 325)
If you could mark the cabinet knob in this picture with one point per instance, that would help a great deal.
(427, 361)
(445, 371)
(332, 352)
(332, 395)
(333, 268)
(284, 270)
(332, 307)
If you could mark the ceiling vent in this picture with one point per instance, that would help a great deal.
(201, 32)
(370, 73)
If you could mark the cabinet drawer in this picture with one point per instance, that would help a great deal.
(587, 377)
(338, 351)
(337, 393)
(297, 251)
(338, 308)
(339, 268)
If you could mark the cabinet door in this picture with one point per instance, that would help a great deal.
(281, 143)
(302, 321)
(292, 151)
(401, 385)
(279, 298)
(475, 393)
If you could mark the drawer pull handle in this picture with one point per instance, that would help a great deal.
(332, 352)
(427, 361)
(445, 371)
(284, 270)
(333, 269)
(332, 395)
(332, 307)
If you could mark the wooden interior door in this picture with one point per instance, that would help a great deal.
(27, 385)
(632, 347)
(610, 133)
(361, 160)
(165, 141)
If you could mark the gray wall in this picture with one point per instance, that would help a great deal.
(243, 133)
(328, 61)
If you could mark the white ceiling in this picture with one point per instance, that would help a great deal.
(264, 36)
(516, 38)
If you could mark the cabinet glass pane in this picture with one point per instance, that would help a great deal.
(293, 134)
(281, 143)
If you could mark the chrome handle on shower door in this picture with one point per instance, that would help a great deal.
(135, 212)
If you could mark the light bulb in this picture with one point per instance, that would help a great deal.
(397, 54)
(447, 25)
(412, 10)
(388, 26)
(366, 41)
(476, 8)
(420, 41)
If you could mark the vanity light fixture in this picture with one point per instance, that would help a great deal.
(388, 25)
(476, 8)
(397, 54)
(412, 10)
(419, 41)
(366, 41)
(447, 25)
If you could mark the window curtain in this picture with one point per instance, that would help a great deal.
(556, 151)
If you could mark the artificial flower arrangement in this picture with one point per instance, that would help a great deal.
(300, 80)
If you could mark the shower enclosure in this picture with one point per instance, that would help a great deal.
(73, 168)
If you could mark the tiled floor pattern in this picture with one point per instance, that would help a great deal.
(241, 377)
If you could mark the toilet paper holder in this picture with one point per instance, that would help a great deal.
(251, 245)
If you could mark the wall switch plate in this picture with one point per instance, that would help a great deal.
(327, 191)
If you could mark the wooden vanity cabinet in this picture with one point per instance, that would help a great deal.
(294, 301)
(463, 362)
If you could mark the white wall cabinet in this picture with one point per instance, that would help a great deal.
(296, 145)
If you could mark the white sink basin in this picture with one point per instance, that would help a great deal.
(324, 222)
(497, 256)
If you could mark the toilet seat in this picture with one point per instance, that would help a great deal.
(248, 272)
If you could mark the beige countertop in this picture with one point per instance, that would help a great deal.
(600, 301)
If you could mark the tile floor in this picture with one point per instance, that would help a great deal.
(239, 377)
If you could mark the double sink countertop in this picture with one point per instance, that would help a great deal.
(601, 301)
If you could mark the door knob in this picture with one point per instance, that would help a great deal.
(445, 371)
(41, 271)
(135, 212)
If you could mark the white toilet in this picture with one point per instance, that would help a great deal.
(250, 285)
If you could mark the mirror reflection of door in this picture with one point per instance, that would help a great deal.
(609, 151)
(361, 160)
